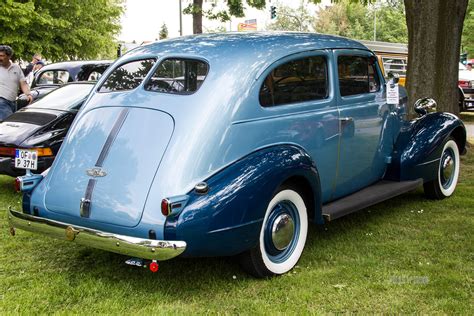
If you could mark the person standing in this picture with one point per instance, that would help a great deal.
(11, 78)
(31, 76)
(36, 58)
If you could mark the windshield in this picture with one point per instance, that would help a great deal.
(64, 98)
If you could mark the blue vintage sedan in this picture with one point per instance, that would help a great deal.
(233, 144)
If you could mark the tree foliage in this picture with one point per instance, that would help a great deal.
(163, 32)
(467, 41)
(235, 8)
(289, 19)
(61, 29)
(391, 22)
(356, 20)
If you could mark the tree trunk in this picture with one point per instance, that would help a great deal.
(434, 39)
(197, 16)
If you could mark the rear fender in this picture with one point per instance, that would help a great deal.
(227, 219)
(419, 145)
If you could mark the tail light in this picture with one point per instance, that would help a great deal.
(173, 205)
(17, 184)
(464, 83)
(165, 207)
(7, 151)
(11, 151)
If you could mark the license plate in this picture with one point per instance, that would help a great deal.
(26, 159)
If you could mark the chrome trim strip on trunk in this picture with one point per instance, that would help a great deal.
(86, 201)
(132, 246)
(110, 139)
(85, 206)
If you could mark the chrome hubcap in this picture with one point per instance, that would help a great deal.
(447, 169)
(282, 231)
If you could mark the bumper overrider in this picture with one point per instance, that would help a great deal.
(132, 246)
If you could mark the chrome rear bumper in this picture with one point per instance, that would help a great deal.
(131, 246)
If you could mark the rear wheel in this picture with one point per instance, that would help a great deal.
(282, 236)
(447, 174)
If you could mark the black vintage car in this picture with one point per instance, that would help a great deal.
(41, 126)
(54, 75)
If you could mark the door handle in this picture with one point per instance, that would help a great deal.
(346, 119)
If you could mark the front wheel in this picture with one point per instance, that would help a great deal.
(282, 236)
(447, 175)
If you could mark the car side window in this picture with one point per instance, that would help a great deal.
(357, 75)
(299, 80)
(53, 77)
(127, 76)
(178, 76)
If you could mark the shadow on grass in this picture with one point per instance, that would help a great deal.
(182, 277)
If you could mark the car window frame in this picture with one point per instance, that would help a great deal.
(35, 83)
(183, 57)
(113, 67)
(359, 53)
(307, 104)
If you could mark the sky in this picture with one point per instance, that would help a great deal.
(143, 19)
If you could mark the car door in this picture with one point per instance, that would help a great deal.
(362, 111)
(298, 96)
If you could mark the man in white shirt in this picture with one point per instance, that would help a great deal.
(11, 78)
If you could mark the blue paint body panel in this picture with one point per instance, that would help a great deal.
(227, 220)
(167, 143)
(419, 145)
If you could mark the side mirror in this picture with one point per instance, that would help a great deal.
(424, 106)
(393, 77)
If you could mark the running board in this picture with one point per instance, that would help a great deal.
(376, 193)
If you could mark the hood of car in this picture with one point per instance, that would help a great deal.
(107, 163)
(16, 128)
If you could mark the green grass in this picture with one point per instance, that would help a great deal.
(407, 255)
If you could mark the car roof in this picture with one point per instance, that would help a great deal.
(66, 65)
(248, 45)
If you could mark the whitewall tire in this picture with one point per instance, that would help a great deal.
(282, 236)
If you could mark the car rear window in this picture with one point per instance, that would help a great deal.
(178, 76)
(357, 75)
(299, 80)
(127, 76)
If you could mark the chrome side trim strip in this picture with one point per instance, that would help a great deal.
(126, 245)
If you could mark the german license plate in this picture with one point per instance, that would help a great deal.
(26, 159)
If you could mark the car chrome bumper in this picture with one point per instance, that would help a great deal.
(131, 246)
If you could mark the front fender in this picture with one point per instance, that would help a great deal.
(419, 145)
(227, 219)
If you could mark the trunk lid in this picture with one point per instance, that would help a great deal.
(22, 124)
(110, 158)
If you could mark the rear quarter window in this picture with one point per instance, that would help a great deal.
(127, 76)
(178, 76)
